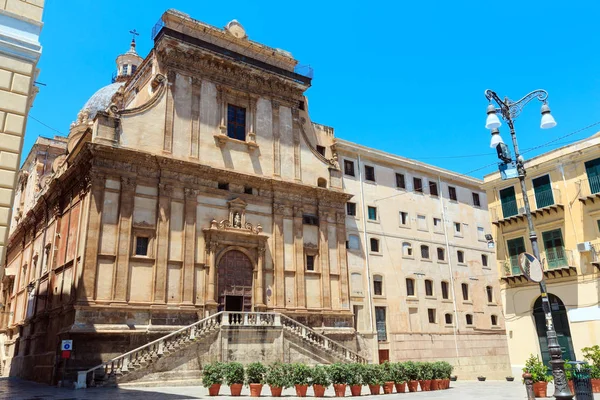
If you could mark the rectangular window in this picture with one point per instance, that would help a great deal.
(448, 319)
(433, 189)
(508, 199)
(418, 185)
(490, 294)
(321, 150)
(556, 256)
(141, 246)
(410, 287)
(425, 252)
(404, 218)
(461, 256)
(349, 167)
(125, 69)
(484, 260)
(543, 191)
(431, 315)
(469, 319)
(465, 291)
(310, 220)
(374, 245)
(476, 201)
(377, 285)
(592, 168)
(248, 189)
(421, 223)
(457, 228)
(372, 213)
(400, 182)
(310, 263)
(369, 173)
(428, 287)
(351, 209)
(445, 293)
(494, 320)
(441, 254)
(380, 324)
(480, 234)
(223, 185)
(452, 193)
(236, 122)
(515, 247)
(437, 225)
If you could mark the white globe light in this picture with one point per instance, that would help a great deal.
(496, 138)
(547, 118)
(492, 121)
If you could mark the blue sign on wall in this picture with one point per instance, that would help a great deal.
(508, 170)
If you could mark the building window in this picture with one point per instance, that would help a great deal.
(433, 189)
(431, 315)
(508, 200)
(418, 185)
(380, 324)
(469, 318)
(452, 193)
(351, 209)
(457, 228)
(321, 150)
(515, 247)
(441, 254)
(445, 292)
(141, 246)
(372, 211)
(349, 167)
(223, 185)
(480, 234)
(448, 318)
(421, 223)
(461, 256)
(248, 189)
(437, 224)
(236, 122)
(476, 201)
(133, 69)
(465, 291)
(490, 294)
(410, 287)
(484, 260)
(400, 182)
(407, 249)
(310, 263)
(425, 252)
(356, 283)
(369, 173)
(374, 245)
(403, 218)
(125, 69)
(377, 285)
(322, 182)
(428, 287)
(494, 320)
(353, 242)
(310, 220)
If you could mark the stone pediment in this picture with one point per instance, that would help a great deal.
(236, 220)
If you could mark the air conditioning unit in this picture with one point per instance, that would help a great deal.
(583, 247)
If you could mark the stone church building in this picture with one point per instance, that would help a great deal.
(195, 183)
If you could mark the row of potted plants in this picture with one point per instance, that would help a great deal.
(411, 375)
(592, 356)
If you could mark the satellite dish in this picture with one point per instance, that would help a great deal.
(531, 267)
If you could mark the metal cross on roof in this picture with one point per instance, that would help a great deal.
(134, 33)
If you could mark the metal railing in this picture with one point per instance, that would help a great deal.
(596, 253)
(537, 201)
(553, 259)
(588, 187)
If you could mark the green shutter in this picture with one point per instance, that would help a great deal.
(515, 247)
(543, 191)
(593, 172)
(555, 251)
(509, 202)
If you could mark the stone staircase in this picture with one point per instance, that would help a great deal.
(142, 358)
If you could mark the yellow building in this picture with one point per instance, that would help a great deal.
(563, 188)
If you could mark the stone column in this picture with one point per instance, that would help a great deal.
(259, 302)
(124, 244)
(324, 259)
(162, 242)
(212, 274)
(276, 139)
(189, 246)
(86, 292)
(299, 248)
(340, 218)
(279, 267)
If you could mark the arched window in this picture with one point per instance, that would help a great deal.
(374, 245)
(322, 182)
(425, 252)
(465, 291)
(353, 242)
(445, 291)
(448, 318)
(469, 318)
(377, 285)
(460, 255)
(407, 249)
(428, 287)
(410, 287)
(490, 294)
(356, 283)
(441, 254)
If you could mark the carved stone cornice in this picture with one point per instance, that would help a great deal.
(165, 189)
(279, 209)
(340, 218)
(191, 194)
(298, 211)
(127, 184)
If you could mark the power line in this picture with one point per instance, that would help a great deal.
(47, 126)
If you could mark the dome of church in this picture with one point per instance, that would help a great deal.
(101, 99)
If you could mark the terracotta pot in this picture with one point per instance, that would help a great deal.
(596, 385)
(425, 385)
(255, 389)
(413, 386)
(375, 389)
(301, 390)
(400, 387)
(275, 391)
(571, 386)
(319, 390)
(447, 385)
(539, 389)
(435, 384)
(213, 390)
(236, 389)
(340, 389)
(388, 388)
(355, 390)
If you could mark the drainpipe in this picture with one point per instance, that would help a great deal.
(456, 319)
(368, 265)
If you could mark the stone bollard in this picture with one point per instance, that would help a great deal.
(529, 386)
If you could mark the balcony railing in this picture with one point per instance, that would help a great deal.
(589, 187)
(554, 259)
(537, 201)
(596, 254)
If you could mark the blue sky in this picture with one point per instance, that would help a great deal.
(403, 77)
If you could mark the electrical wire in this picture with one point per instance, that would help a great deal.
(47, 126)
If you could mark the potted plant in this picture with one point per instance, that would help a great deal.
(277, 377)
(387, 377)
(412, 376)
(373, 377)
(234, 377)
(448, 368)
(569, 375)
(510, 378)
(355, 378)
(398, 376)
(212, 377)
(300, 378)
(425, 374)
(255, 378)
(539, 375)
(481, 378)
(320, 380)
(338, 373)
(437, 372)
(592, 356)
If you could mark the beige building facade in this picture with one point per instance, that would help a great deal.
(20, 26)
(563, 188)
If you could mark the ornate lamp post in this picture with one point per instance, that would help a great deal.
(509, 110)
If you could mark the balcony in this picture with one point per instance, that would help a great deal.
(541, 202)
(589, 189)
(596, 255)
(557, 263)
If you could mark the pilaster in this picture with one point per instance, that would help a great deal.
(196, 93)
(276, 139)
(279, 267)
(324, 259)
(299, 250)
(170, 112)
(162, 242)
(211, 303)
(189, 245)
(342, 259)
(124, 242)
(296, 133)
(259, 302)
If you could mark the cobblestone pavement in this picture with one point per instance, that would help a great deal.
(14, 389)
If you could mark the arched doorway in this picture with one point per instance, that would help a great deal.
(561, 326)
(235, 275)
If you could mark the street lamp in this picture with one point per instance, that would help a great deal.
(509, 110)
